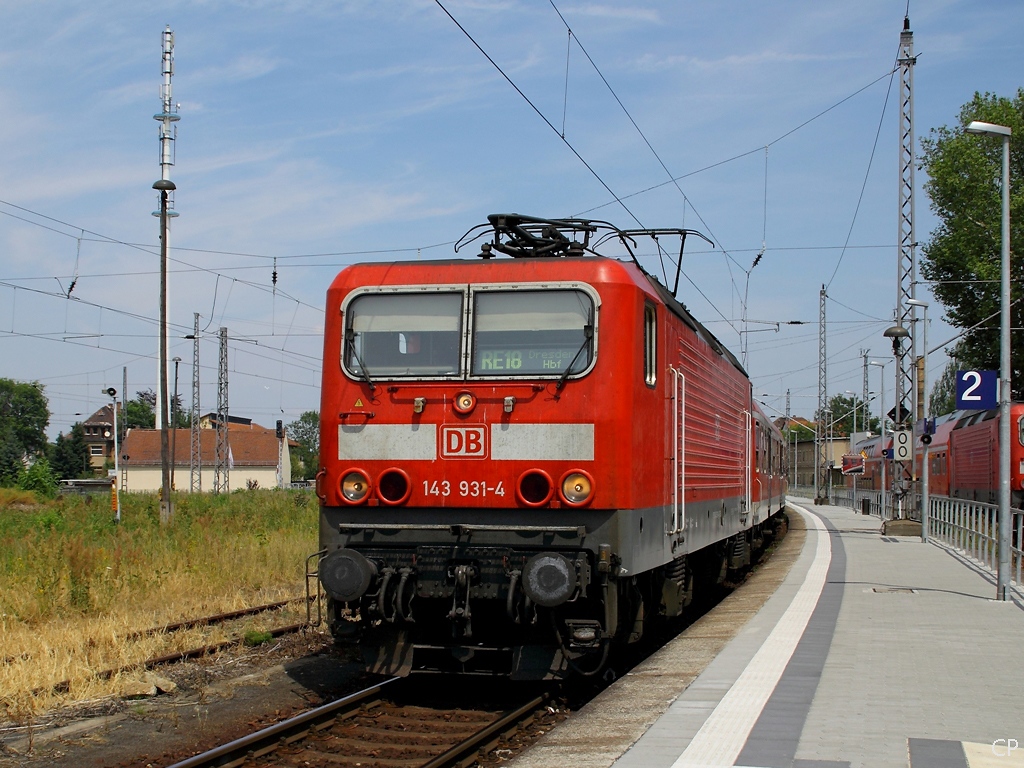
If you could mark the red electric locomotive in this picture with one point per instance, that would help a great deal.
(526, 460)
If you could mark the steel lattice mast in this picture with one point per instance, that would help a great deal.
(906, 355)
(820, 434)
(196, 458)
(222, 465)
(867, 393)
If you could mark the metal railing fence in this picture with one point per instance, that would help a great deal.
(970, 527)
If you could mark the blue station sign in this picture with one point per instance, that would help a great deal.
(977, 390)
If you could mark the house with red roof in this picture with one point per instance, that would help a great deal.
(99, 436)
(257, 458)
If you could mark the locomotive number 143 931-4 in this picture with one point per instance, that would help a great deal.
(470, 488)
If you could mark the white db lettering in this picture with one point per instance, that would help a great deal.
(469, 442)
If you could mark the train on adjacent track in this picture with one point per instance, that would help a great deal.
(963, 457)
(526, 461)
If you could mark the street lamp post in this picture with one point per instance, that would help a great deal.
(853, 432)
(881, 427)
(117, 496)
(164, 186)
(174, 420)
(1005, 373)
(829, 441)
(925, 437)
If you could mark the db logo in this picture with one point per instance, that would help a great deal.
(463, 442)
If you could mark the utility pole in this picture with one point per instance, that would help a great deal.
(162, 419)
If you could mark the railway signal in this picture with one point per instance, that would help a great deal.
(903, 445)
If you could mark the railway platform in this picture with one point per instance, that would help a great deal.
(849, 648)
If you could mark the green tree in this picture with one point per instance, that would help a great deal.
(943, 395)
(69, 456)
(24, 415)
(963, 254)
(138, 413)
(39, 478)
(842, 416)
(306, 432)
(141, 412)
(12, 456)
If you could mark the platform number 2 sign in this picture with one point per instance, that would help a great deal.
(977, 390)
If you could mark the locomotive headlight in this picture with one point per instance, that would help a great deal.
(355, 486)
(464, 402)
(577, 487)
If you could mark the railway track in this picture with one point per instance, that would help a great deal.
(372, 729)
(193, 653)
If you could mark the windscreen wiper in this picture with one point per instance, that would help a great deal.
(588, 334)
(350, 341)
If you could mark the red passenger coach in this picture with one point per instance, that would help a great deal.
(526, 460)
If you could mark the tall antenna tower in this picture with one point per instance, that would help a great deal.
(820, 428)
(196, 459)
(223, 458)
(906, 275)
(167, 118)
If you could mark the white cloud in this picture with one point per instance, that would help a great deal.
(245, 67)
(628, 12)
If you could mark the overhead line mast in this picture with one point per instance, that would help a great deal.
(821, 471)
(906, 258)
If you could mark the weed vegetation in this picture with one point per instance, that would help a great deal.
(74, 585)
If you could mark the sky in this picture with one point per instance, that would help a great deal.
(320, 134)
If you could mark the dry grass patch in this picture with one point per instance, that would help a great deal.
(74, 585)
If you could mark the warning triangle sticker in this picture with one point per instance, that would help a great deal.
(359, 403)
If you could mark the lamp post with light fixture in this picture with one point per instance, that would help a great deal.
(881, 427)
(117, 497)
(852, 433)
(174, 420)
(1005, 372)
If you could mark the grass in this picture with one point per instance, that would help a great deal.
(74, 584)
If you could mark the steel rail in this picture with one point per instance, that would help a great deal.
(268, 739)
(205, 621)
(481, 739)
(219, 618)
(65, 685)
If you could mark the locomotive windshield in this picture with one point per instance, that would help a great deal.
(403, 334)
(422, 334)
(526, 333)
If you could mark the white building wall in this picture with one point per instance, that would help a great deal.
(149, 478)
